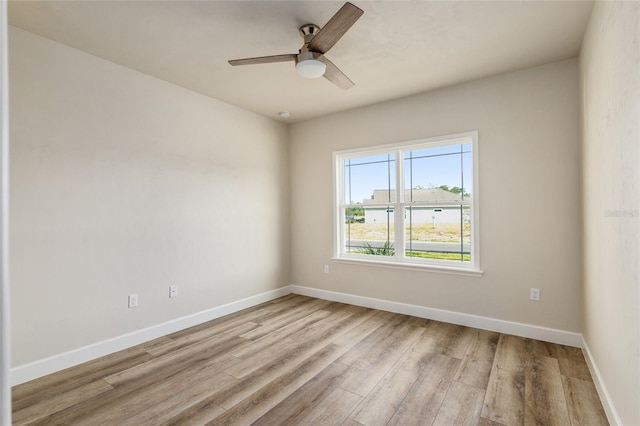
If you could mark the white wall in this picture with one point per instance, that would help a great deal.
(122, 183)
(610, 80)
(529, 196)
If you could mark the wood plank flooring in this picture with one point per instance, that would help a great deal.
(304, 361)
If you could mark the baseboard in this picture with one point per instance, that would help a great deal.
(27, 372)
(508, 327)
(607, 403)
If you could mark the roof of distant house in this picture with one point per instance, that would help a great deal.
(381, 196)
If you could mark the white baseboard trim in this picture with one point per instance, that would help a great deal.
(27, 372)
(508, 327)
(607, 403)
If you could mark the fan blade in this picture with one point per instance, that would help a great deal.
(337, 26)
(337, 77)
(264, 59)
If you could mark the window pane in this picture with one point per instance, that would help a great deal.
(438, 233)
(370, 179)
(436, 174)
(371, 234)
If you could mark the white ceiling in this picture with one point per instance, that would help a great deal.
(396, 49)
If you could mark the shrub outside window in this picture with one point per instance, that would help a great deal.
(412, 203)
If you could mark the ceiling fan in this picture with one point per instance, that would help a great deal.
(310, 60)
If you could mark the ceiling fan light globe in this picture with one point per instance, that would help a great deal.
(311, 68)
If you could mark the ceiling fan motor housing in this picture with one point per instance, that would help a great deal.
(309, 64)
(306, 54)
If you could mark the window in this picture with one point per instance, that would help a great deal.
(413, 203)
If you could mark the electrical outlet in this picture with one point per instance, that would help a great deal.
(133, 300)
(326, 269)
(173, 290)
(534, 294)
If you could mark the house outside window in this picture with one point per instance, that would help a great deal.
(433, 217)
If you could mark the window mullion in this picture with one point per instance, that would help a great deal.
(338, 200)
(399, 206)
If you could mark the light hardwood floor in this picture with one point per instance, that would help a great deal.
(304, 361)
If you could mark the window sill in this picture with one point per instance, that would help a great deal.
(412, 266)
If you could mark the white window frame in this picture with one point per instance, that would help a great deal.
(399, 260)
